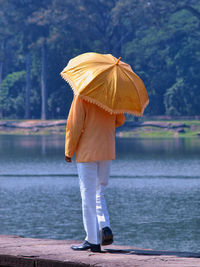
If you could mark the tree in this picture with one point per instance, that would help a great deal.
(52, 19)
(12, 95)
(7, 31)
(27, 102)
(64, 41)
(159, 39)
(159, 52)
(39, 19)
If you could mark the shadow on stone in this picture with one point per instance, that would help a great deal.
(153, 253)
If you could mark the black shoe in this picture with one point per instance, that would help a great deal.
(86, 245)
(107, 236)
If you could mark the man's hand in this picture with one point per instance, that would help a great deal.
(68, 159)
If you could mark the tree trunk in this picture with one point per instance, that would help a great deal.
(28, 87)
(1, 68)
(43, 82)
(1, 61)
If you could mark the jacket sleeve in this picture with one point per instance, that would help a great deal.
(120, 119)
(75, 123)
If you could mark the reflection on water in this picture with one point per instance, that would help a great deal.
(43, 145)
(44, 155)
(153, 194)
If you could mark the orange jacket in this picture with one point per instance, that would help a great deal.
(90, 132)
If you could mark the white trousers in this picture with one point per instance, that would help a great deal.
(93, 178)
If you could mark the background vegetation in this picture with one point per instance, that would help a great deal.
(159, 39)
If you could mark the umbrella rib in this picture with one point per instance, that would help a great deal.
(115, 80)
(134, 84)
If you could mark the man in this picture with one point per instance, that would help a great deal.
(90, 133)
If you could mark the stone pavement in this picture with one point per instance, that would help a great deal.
(17, 251)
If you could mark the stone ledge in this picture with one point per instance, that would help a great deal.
(17, 251)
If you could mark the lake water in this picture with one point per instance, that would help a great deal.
(153, 194)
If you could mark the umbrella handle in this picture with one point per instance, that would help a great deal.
(118, 60)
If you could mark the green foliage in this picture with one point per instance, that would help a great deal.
(12, 95)
(166, 53)
(159, 39)
(179, 100)
(175, 101)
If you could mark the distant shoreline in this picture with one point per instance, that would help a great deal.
(154, 127)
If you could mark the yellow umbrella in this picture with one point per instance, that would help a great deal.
(106, 82)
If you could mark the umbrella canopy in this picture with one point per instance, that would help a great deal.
(107, 82)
